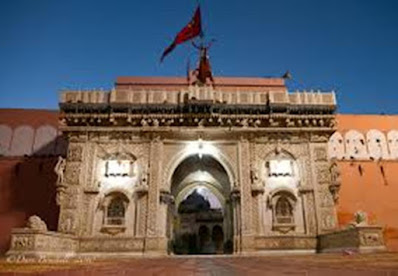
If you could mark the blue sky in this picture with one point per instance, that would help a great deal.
(347, 45)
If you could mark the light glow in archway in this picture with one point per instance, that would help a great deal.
(201, 148)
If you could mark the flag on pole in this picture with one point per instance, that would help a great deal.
(191, 30)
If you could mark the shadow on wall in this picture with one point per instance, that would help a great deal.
(27, 178)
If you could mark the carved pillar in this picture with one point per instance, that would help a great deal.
(310, 223)
(152, 241)
(324, 205)
(257, 193)
(91, 189)
(246, 196)
(70, 199)
(166, 199)
(236, 212)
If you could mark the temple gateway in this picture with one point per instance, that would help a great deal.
(162, 165)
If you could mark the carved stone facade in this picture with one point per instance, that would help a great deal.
(135, 154)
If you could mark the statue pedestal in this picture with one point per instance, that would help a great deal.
(31, 243)
(360, 238)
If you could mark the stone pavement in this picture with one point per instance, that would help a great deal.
(325, 264)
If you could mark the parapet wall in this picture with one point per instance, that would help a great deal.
(241, 97)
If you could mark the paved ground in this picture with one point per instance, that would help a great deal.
(375, 264)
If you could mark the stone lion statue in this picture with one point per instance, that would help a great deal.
(36, 223)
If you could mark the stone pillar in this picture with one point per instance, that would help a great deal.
(154, 243)
(310, 222)
(246, 195)
(237, 235)
(69, 196)
(257, 192)
(324, 204)
(166, 203)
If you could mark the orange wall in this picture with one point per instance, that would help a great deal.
(27, 187)
(359, 122)
(370, 191)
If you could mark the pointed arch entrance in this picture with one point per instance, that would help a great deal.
(201, 219)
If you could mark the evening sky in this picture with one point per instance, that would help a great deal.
(350, 46)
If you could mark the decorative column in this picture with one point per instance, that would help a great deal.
(166, 203)
(236, 210)
(310, 223)
(246, 194)
(69, 190)
(153, 243)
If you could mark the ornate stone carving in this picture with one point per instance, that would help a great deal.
(371, 239)
(335, 183)
(22, 242)
(310, 212)
(320, 154)
(60, 170)
(68, 222)
(326, 199)
(153, 193)
(72, 173)
(289, 242)
(112, 245)
(328, 219)
(322, 173)
(75, 152)
(244, 163)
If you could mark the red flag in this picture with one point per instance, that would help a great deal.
(191, 30)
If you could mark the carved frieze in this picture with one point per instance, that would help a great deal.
(111, 245)
(24, 242)
(285, 243)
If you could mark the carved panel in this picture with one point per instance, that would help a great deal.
(285, 243)
(328, 221)
(154, 183)
(72, 173)
(111, 245)
(246, 198)
(325, 198)
(24, 242)
(322, 173)
(371, 239)
(310, 211)
(70, 198)
(320, 154)
(75, 152)
(68, 221)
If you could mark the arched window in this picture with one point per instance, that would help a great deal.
(283, 206)
(115, 211)
(283, 211)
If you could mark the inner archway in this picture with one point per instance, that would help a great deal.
(202, 213)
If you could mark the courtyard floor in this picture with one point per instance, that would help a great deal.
(325, 264)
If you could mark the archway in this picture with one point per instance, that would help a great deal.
(201, 218)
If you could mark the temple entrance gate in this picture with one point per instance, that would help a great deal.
(200, 220)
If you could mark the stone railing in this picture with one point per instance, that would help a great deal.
(77, 96)
(358, 238)
(312, 98)
(194, 93)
